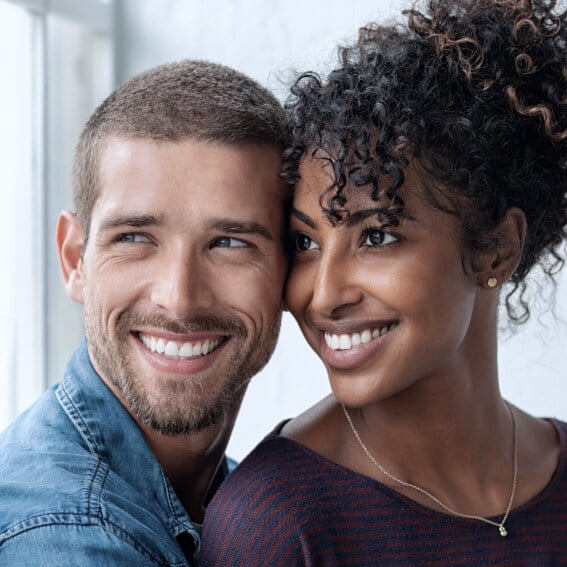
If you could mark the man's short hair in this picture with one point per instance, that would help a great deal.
(173, 102)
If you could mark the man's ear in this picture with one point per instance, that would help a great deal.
(502, 261)
(69, 236)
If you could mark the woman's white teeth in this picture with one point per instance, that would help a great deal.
(176, 350)
(345, 342)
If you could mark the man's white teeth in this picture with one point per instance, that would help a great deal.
(183, 350)
(345, 342)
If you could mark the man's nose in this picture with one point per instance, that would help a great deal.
(183, 284)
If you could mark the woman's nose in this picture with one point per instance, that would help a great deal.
(335, 287)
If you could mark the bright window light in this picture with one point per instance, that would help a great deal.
(18, 212)
(56, 67)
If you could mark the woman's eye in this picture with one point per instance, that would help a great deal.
(134, 237)
(375, 238)
(302, 243)
(228, 242)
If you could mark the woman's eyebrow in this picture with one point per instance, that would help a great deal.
(383, 215)
(305, 219)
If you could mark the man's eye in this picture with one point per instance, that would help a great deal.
(302, 243)
(376, 238)
(133, 237)
(228, 242)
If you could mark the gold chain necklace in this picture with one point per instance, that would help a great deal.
(500, 525)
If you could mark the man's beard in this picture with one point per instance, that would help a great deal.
(177, 405)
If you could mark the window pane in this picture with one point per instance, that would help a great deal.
(20, 305)
(79, 77)
(54, 73)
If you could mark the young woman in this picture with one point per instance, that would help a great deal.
(430, 172)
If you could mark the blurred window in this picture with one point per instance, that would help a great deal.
(56, 63)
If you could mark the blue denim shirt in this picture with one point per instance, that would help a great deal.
(80, 486)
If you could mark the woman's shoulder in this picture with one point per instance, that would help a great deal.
(561, 432)
(281, 457)
(297, 453)
(320, 429)
(281, 489)
(274, 457)
(561, 427)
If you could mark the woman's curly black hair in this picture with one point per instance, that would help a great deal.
(476, 92)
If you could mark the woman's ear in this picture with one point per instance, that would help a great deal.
(497, 265)
(69, 237)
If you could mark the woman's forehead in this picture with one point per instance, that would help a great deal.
(317, 175)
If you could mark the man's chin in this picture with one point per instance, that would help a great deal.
(176, 428)
(192, 417)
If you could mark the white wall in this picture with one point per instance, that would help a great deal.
(266, 40)
(261, 38)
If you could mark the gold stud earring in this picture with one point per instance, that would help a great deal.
(492, 283)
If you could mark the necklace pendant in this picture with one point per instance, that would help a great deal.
(503, 531)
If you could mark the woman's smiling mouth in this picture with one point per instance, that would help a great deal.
(347, 341)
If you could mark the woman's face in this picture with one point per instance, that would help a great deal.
(384, 307)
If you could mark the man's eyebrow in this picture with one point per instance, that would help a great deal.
(129, 220)
(233, 226)
(305, 219)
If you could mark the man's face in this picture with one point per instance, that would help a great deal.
(182, 276)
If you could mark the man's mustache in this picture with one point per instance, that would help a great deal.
(198, 323)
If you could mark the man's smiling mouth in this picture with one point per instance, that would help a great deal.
(178, 349)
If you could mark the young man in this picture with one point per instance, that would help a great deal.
(176, 252)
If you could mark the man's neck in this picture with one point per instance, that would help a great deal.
(190, 461)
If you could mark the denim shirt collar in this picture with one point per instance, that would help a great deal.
(110, 432)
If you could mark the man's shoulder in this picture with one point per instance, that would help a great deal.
(42, 436)
(43, 465)
(90, 539)
(60, 497)
(47, 470)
